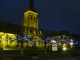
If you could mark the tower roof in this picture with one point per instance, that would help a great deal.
(31, 6)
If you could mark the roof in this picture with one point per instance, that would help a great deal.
(31, 6)
(10, 28)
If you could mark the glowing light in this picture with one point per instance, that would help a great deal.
(53, 41)
(1, 32)
(29, 41)
(54, 47)
(64, 48)
(47, 38)
(24, 37)
(71, 44)
(59, 43)
(9, 33)
(9, 49)
(71, 40)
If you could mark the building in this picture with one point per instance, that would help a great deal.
(11, 34)
(30, 22)
(8, 34)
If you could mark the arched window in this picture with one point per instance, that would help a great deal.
(30, 17)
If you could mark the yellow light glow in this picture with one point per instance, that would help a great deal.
(1, 32)
(5, 39)
(9, 49)
(64, 48)
(71, 44)
(9, 34)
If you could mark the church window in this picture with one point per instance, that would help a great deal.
(31, 17)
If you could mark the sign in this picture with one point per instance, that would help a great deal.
(54, 47)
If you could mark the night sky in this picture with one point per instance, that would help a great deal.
(53, 15)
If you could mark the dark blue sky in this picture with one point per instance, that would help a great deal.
(53, 15)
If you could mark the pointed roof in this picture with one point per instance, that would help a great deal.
(31, 6)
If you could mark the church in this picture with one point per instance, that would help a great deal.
(10, 34)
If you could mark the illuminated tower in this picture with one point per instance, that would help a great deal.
(30, 24)
(30, 20)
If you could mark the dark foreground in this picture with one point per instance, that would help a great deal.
(40, 55)
(37, 58)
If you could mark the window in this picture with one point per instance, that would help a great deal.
(31, 17)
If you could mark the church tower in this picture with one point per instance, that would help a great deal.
(30, 20)
(30, 25)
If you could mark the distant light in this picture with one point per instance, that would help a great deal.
(53, 41)
(24, 37)
(64, 48)
(29, 41)
(71, 43)
(47, 38)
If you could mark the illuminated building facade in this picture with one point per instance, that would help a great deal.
(10, 32)
(30, 21)
(30, 24)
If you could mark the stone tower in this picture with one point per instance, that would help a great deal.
(30, 22)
